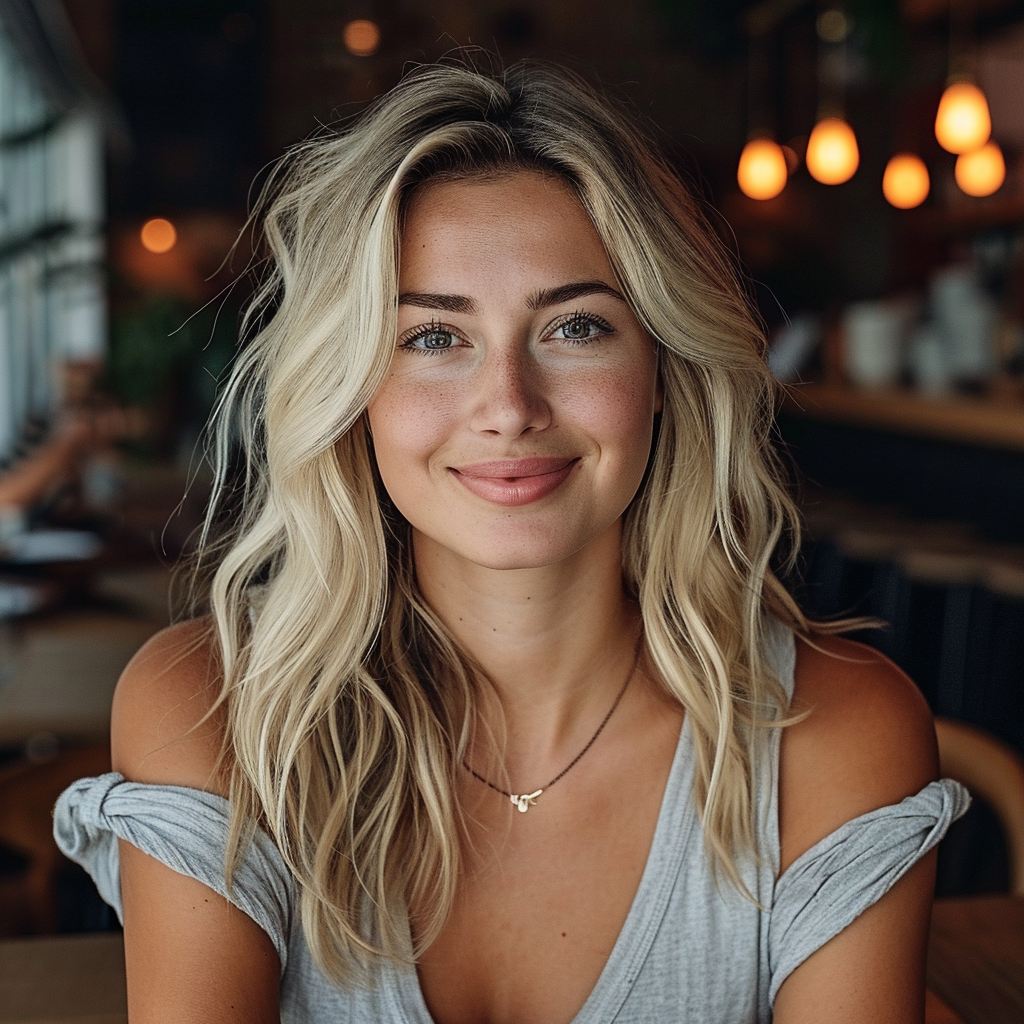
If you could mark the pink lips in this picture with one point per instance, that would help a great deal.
(515, 481)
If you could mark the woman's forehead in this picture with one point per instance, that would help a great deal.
(499, 225)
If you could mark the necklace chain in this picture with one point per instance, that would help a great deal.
(525, 801)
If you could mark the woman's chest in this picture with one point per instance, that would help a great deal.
(542, 902)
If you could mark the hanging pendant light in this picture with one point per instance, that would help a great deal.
(361, 37)
(905, 183)
(762, 172)
(982, 172)
(832, 153)
(963, 122)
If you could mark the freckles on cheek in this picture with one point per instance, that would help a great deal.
(612, 407)
(409, 423)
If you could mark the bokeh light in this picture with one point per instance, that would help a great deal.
(963, 123)
(362, 37)
(762, 170)
(905, 183)
(833, 26)
(982, 172)
(832, 155)
(158, 235)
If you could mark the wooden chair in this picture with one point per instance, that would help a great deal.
(994, 773)
(28, 792)
(976, 945)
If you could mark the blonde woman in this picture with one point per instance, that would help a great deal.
(499, 714)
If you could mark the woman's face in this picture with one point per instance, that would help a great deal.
(516, 420)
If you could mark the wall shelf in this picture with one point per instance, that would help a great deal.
(981, 421)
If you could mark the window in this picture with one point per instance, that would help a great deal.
(52, 294)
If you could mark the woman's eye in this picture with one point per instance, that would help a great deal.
(431, 341)
(580, 328)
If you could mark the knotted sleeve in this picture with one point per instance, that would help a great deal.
(837, 879)
(187, 830)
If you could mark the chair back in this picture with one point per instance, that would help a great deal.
(994, 773)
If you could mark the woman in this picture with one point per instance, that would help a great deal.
(497, 677)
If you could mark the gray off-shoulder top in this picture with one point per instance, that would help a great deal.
(689, 950)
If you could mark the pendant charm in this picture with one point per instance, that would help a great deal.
(526, 801)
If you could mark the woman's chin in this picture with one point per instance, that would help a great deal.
(510, 560)
(502, 553)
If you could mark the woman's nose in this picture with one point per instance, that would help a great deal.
(510, 396)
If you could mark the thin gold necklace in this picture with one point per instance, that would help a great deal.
(524, 801)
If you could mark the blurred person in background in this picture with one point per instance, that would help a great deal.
(54, 452)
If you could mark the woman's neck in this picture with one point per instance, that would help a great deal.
(556, 641)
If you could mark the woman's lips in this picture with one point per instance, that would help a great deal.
(514, 481)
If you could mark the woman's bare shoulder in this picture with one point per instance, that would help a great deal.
(160, 732)
(868, 740)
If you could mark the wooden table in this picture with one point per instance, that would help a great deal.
(975, 965)
(66, 978)
(976, 957)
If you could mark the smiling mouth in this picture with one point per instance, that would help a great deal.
(515, 481)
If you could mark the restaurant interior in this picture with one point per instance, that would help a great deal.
(863, 160)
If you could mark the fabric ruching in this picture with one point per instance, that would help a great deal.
(836, 880)
(187, 830)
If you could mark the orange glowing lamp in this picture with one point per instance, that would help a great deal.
(362, 37)
(158, 235)
(962, 123)
(982, 172)
(832, 154)
(762, 171)
(905, 183)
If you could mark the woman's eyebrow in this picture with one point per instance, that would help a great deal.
(432, 300)
(539, 300)
(568, 292)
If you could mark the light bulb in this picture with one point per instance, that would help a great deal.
(905, 182)
(832, 155)
(962, 123)
(362, 37)
(762, 171)
(982, 172)
(158, 235)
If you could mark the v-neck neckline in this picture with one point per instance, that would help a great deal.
(672, 834)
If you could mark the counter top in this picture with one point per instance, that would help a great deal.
(982, 421)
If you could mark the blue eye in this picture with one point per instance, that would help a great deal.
(434, 339)
(581, 328)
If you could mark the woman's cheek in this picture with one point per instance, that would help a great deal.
(613, 407)
(409, 423)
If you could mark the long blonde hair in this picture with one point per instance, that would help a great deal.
(349, 707)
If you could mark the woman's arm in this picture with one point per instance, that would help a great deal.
(868, 742)
(190, 955)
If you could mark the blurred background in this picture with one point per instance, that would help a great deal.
(862, 159)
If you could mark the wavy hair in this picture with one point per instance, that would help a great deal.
(349, 707)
